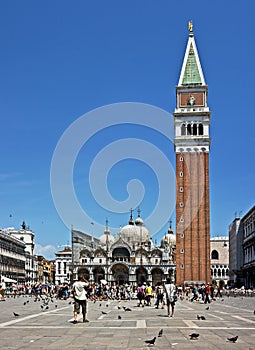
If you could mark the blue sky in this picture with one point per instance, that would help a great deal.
(61, 59)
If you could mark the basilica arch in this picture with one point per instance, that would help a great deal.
(157, 276)
(141, 275)
(121, 253)
(120, 273)
(98, 273)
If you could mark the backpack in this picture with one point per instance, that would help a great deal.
(160, 290)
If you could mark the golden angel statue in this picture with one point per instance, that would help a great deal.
(190, 26)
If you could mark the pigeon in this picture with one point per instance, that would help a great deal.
(104, 313)
(119, 307)
(194, 336)
(160, 333)
(56, 305)
(119, 317)
(15, 314)
(234, 339)
(151, 341)
(201, 317)
(106, 305)
(42, 306)
(207, 308)
(127, 309)
(25, 303)
(254, 312)
(70, 303)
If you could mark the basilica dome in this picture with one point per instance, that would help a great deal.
(106, 236)
(134, 233)
(169, 238)
(103, 239)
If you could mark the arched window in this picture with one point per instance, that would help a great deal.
(194, 129)
(215, 255)
(183, 130)
(200, 129)
(189, 129)
(219, 272)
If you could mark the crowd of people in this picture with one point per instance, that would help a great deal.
(163, 295)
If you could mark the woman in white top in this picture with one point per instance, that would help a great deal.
(170, 290)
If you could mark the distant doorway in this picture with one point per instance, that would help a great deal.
(120, 274)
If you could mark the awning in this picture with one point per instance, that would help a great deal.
(103, 281)
(7, 280)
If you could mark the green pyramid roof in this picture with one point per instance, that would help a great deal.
(191, 73)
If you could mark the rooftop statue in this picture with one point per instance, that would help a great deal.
(190, 26)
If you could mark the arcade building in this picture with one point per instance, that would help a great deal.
(130, 258)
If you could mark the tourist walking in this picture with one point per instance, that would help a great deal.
(159, 295)
(140, 295)
(207, 293)
(148, 294)
(170, 291)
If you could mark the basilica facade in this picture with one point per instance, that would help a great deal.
(130, 258)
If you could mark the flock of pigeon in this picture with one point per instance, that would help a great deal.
(151, 342)
(44, 306)
(193, 336)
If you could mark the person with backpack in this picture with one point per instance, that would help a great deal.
(170, 296)
(159, 295)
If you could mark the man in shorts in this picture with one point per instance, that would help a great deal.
(80, 298)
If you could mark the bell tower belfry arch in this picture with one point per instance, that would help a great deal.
(192, 145)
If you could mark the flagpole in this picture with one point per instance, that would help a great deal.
(72, 278)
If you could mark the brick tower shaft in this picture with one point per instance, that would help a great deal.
(192, 144)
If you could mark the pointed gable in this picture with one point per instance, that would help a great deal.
(191, 73)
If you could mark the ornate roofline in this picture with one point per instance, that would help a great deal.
(121, 243)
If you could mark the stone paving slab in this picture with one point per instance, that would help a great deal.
(51, 329)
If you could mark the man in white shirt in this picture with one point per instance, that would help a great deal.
(80, 298)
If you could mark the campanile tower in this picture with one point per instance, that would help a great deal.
(192, 144)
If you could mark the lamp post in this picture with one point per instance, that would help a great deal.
(107, 248)
(72, 272)
(141, 255)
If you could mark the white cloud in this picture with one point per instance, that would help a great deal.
(48, 251)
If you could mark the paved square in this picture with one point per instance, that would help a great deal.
(52, 329)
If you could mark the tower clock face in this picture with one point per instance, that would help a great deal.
(192, 99)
